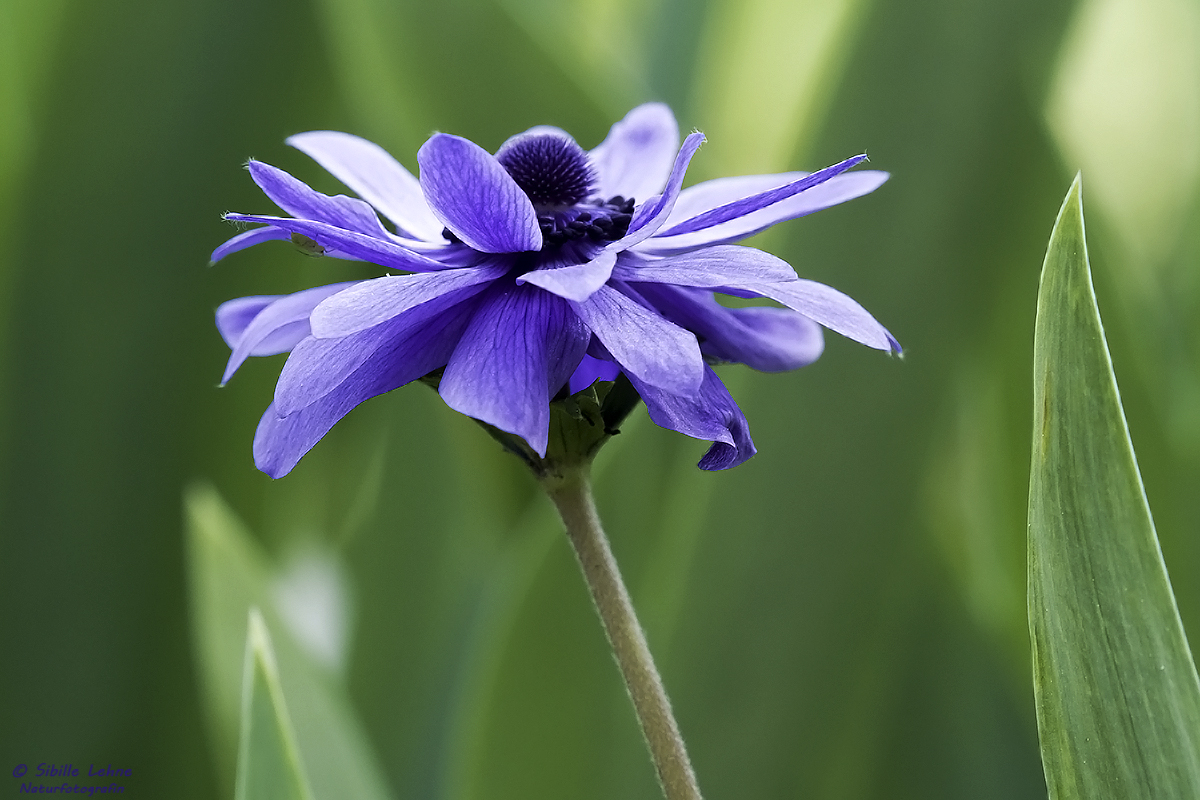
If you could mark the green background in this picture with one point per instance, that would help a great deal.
(841, 617)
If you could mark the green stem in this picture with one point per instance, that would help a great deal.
(572, 494)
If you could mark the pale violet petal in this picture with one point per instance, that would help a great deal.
(709, 414)
(278, 326)
(475, 198)
(750, 272)
(659, 352)
(300, 200)
(375, 301)
(723, 265)
(589, 371)
(507, 380)
(652, 214)
(370, 172)
(246, 239)
(233, 316)
(384, 252)
(318, 366)
(831, 308)
(577, 282)
(837, 190)
(707, 195)
(281, 441)
(636, 158)
(746, 205)
(762, 338)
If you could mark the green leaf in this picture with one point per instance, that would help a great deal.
(1118, 700)
(230, 575)
(269, 764)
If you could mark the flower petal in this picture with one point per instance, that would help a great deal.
(658, 352)
(233, 316)
(519, 349)
(746, 205)
(710, 414)
(831, 308)
(300, 200)
(736, 270)
(280, 443)
(722, 265)
(371, 173)
(650, 215)
(376, 301)
(577, 282)
(247, 239)
(277, 326)
(383, 252)
(317, 367)
(636, 157)
(471, 193)
(589, 371)
(766, 339)
(838, 189)
(412, 351)
(707, 195)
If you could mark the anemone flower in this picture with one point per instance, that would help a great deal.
(532, 273)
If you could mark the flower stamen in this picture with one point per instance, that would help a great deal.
(604, 222)
(553, 170)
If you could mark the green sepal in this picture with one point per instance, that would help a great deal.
(580, 424)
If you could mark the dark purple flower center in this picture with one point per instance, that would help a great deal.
(559, 179)
(600, 221)
(603, 222)
(551, 169)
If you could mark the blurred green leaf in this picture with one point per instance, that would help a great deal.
(757, 125)
(476, 76)
(269, 765)
(229, 576)
(592, 39)
(1117, 694)
(28, 33)
(534, 594)
(1125, 104)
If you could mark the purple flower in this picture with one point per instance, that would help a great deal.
(533, 273)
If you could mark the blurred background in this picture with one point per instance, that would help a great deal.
(841, 617)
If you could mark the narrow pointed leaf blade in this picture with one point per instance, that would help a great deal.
(229, 575)
(269, 763)
(1118, 701)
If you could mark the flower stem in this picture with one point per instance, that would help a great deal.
(572, 494)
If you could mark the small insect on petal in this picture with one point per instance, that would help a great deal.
(307, 246)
